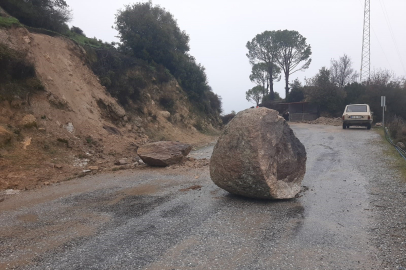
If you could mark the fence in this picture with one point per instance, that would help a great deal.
(400, 150)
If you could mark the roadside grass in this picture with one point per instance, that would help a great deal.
(399, 163)
(83, 40)
(9, 22)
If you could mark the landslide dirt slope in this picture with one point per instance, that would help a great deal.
(76, 125)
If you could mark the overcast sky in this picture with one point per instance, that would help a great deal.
(219, 31)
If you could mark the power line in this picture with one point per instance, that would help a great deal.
(387, 18)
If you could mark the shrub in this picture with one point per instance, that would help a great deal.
(8, 22)
(77, 30)
(167, 102)
(227, 118)
(48, 14)
(18, 77)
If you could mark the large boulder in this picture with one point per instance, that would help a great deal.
(258, 156)
(163, 153)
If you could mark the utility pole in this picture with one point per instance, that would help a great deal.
(366, 44)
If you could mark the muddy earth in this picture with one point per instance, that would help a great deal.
(350, 214)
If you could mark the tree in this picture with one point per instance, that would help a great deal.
(264, 49)
(296, 93)
(292, 50)
(151, 33)
(254, 94)
(77, 30)
(48, 14)
(341, 71)
(260, 76)
(322, 92)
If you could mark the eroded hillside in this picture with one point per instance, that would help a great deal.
(74, 126)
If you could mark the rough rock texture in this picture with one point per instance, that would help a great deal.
(163, 153)
(5, 136)
(258, 156)
(29, 121)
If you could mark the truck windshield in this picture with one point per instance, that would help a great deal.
(357, 108)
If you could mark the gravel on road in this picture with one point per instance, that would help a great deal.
(350, 214)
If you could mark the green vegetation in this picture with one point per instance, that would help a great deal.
(293, 50)
(228, 117)
(18, 77)
(399, 162)
(151, 34)
(274, 51)
(332, 98)
(153, 50)
(85, 41)
(47, 14)
(9, 22)
(254, 94)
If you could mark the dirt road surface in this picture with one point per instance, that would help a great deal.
(351, 214)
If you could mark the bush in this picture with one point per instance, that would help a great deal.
(18, 77)
(48, 14)
(151, 33)
(168, 103)
(77, 30)
(8, 22)
(397, 128)
(227, 118)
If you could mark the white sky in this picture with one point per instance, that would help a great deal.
(219, 31)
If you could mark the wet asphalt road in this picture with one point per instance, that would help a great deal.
(350, 214)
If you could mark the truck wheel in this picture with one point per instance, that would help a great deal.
(369, 126)
(344, 126)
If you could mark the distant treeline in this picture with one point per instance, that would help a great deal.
(331, 97)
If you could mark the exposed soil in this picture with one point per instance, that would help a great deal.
(77, 127)
(327, 121)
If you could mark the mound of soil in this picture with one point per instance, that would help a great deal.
(327, 121)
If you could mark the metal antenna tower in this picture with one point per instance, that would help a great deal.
(366, 44)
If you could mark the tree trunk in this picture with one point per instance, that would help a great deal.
(267, 87)
(286, 85)
(271, 92)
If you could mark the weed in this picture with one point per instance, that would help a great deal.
(168, 103)
(400, 162)
(18, 74)
(199, 125)
(89, 140)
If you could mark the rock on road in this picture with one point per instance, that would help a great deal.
(350, 214)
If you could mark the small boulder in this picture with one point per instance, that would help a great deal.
(163, 153)
(29, 120)
(258, 156)
(121, 161)
(165, 114)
